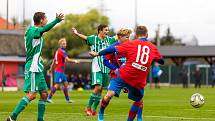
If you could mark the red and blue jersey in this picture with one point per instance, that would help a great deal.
(139, 55)
(60, 56)
(113, 61)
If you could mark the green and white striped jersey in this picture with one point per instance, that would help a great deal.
(96, 44)
(34, 45)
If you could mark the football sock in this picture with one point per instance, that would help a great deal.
(103, 105)
(133, 111)
(53, 90)
(96, 102)
(139, 112)
(65, 91)
(41, 109)
(91, 100)
(20, 107)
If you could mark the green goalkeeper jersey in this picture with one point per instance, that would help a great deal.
(34, 45)
(96, 44)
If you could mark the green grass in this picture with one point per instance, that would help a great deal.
(165, 104)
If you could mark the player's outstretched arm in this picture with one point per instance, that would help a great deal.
(78, 34)
(51, 66)
(72, 60)
(93, 53)
(110, 49)
(47, 27)
(160, 61)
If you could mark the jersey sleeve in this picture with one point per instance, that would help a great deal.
(90, 40)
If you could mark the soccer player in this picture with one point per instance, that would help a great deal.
(60, 58)
(34, 78)
(99, 71)
(140, 53)
(114, 61)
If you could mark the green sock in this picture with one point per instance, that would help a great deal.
(96, 102)
(20, 107)
(91, 100)
(41, 109)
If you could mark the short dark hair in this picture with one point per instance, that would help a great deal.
(141, 31)
(37, 17)
(101, 27)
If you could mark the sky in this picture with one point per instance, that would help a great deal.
(184, 17)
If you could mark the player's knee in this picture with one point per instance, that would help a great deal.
(44, 95)
(98, 89)
(57, 86)
(31, 96)
(65, 84)
(139, 103)
(107, 97)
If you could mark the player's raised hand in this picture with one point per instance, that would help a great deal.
(74, 30)
(60, 16)
(93, 53)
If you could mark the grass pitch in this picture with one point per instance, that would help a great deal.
(165, 104)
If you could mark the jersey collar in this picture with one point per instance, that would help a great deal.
(63, 48)
(144, 39)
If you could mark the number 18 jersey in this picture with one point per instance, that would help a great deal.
(139, 56)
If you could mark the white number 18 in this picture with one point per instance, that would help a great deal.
(144, 56)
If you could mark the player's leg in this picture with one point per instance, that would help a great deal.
(158, 82)
(140, 110)
(52, 92)
(30, 89)
(213, 82)
(96, 82)
(97, 91)
(104, 84)
(55, 87)
(104, 103)
(65, 91)
(42, 87)
(196, 83)
(42, 105)
(114, 88)
(137, 107)
(21, 105)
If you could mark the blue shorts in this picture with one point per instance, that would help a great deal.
(116, 84)
(60, 77)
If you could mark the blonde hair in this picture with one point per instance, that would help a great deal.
(123, 32)
(61, 40)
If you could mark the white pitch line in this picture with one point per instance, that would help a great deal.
(163, 117)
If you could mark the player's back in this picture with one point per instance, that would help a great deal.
(139, 55)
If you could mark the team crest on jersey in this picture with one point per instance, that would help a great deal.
(98, 80)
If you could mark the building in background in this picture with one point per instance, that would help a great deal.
(12, 57)
(11, 25)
